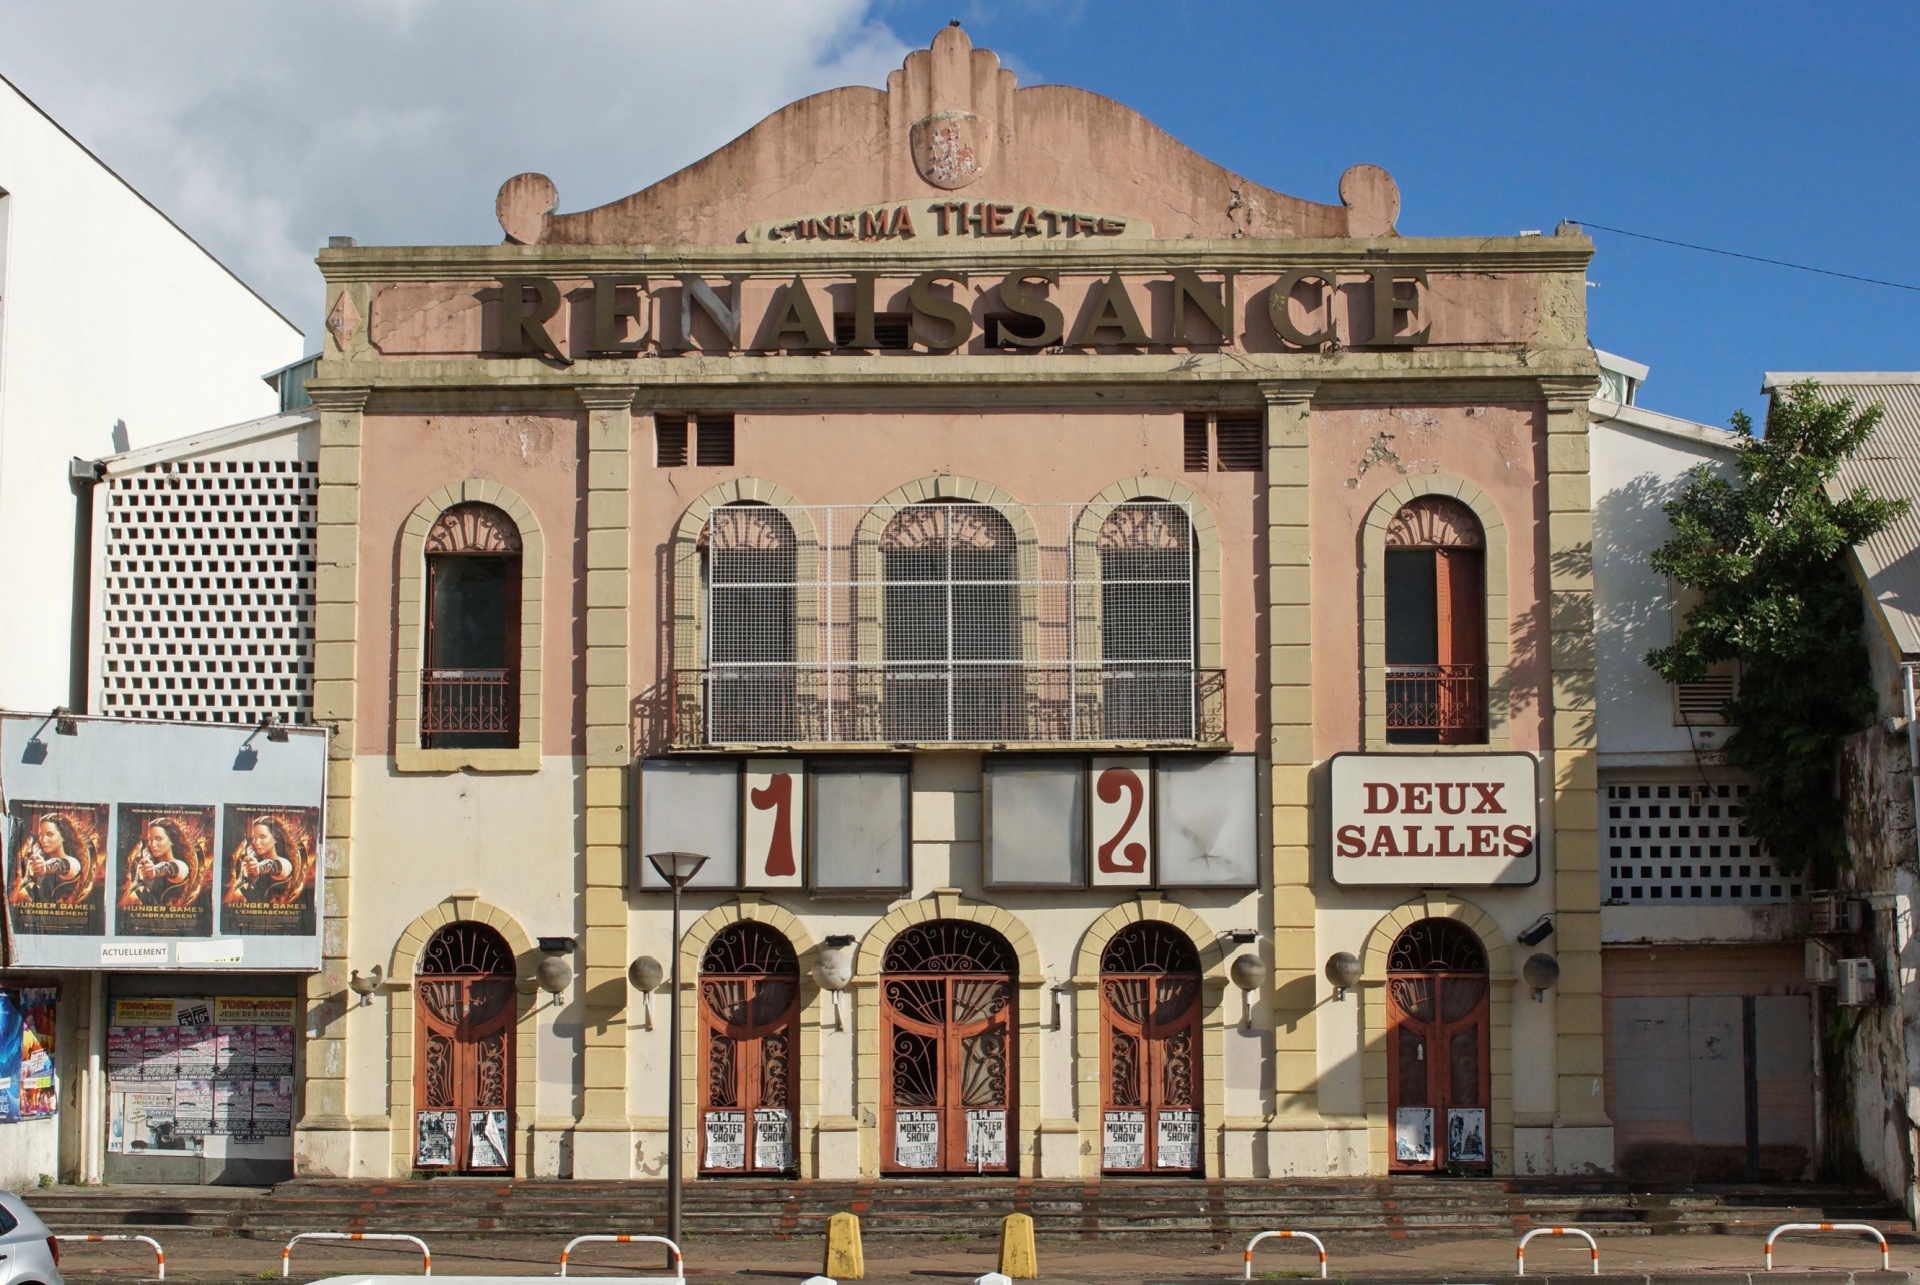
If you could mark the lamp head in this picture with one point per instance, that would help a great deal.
(1248, 972)
(1343, 971)
(646, 974)
(833, 966)
(555, 974)
(364, 986)
(677, 868)
(1540, 971)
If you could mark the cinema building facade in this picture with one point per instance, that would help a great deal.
(1119, 636)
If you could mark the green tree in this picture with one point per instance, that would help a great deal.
(1767, 555)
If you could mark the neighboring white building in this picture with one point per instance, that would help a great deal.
(1701, 932)
(117, 330)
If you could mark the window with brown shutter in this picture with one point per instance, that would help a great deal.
(713, 440)
(1198, 458)
(669, 439)
(1436, 625)
(1237, 439)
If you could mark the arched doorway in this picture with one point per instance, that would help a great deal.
(1150, 1032)
(1437, 1048)
(749, 1036)
(946, 1032)
(463, 1051)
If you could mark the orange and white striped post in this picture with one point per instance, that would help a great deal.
(1886, 1261)
(1520, 1250)
(1287, 1235)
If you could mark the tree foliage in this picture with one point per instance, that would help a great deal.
(1767, 555)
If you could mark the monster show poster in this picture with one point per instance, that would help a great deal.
(165, 874)
(57, 868)
(267, 882)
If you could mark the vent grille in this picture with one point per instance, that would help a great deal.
(207, 601)
(1239, 442)
(1668, 844)
(1704, 703)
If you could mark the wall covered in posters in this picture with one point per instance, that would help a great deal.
(146, 845)
(27, 1087)
(182, 1070)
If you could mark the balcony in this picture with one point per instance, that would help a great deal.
(948, 704)
(468, 708)
(1437, 704)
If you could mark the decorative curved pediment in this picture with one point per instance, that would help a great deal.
(473, 528)
(1435, 522)
(948, 119)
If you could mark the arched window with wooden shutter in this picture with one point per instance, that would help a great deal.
(470, 682)
(1436, 624)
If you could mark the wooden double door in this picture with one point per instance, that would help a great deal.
(749, 1042)
(463, 1052)
(1438, 1081)
(1150, 1031)
(947, 1035)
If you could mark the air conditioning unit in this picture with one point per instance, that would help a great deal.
(1836, 912)
(1854, 986)
(1822, 963)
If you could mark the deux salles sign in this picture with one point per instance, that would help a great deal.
(136, 844)
(1435, 820)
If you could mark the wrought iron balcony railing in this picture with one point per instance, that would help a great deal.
(1447, 700)
(960, 703)
(468, 707)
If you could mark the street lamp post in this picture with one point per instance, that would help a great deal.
(677, 868)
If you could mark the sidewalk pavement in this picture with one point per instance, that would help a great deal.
(1115, 1260)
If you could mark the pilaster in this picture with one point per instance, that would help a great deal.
(336, 633)
(1290, 749)
(1578, 1051)
(608, 726)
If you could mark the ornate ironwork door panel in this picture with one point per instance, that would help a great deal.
(749, 1034)
(463, 1060)
(946, 1029)
(1438, 1080)
(1150, 1010)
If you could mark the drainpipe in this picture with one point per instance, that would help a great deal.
(83, 475)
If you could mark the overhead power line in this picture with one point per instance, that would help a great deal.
(1751, 258)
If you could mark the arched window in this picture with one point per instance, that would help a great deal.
(749, 1034)
(752, 564)
(470, 684)
(952, 631)
(463, 1051)
(1436, 624)
(1148, 645)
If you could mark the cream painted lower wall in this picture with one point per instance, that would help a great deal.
(514, 840)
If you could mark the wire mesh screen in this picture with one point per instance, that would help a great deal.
(946, 621)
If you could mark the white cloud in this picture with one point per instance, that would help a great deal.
(264, 128)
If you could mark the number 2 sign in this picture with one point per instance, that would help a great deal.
(1121, 796)
(775, 799)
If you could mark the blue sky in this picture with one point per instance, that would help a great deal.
(1754, 127)
(1774, 129)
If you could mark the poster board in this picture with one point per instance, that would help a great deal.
(1435, 820)
(181, 1070)
(134, 844)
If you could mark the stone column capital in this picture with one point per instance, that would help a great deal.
(347, 398)
(1567, 392)
(607, 396)
(1289, 392)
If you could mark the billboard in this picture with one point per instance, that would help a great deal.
(132, 844)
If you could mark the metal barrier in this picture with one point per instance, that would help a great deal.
(679, 1265)
(1288, 1235)
(159, 1254)
(1520, 1250)
(1885, 1261)
(286, 1255)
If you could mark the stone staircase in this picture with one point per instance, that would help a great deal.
(1220, 1211)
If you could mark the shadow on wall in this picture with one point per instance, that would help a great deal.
(1665, 1163)
(1635, 614)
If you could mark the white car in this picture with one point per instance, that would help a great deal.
(29, 1255)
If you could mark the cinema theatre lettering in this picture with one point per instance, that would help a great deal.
(1035, 567)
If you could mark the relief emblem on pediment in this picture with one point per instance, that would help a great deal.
(951, 149)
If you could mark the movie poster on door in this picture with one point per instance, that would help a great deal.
(1413, 1135)
(1125, 1140)
(1121, 807)
(1467, 1135)
(57, 873)
(772, 1133)
(726, 1139)
(773, 829)
(164, 873)
(916, 1139)
(434, 1135)
(1177, 1140)
(987, 1138)
(487, 1139)
(267, 882)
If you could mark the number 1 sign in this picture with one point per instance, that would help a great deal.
(776, 800)
(1122, 830)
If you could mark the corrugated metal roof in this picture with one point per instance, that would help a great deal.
(1888, 466)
